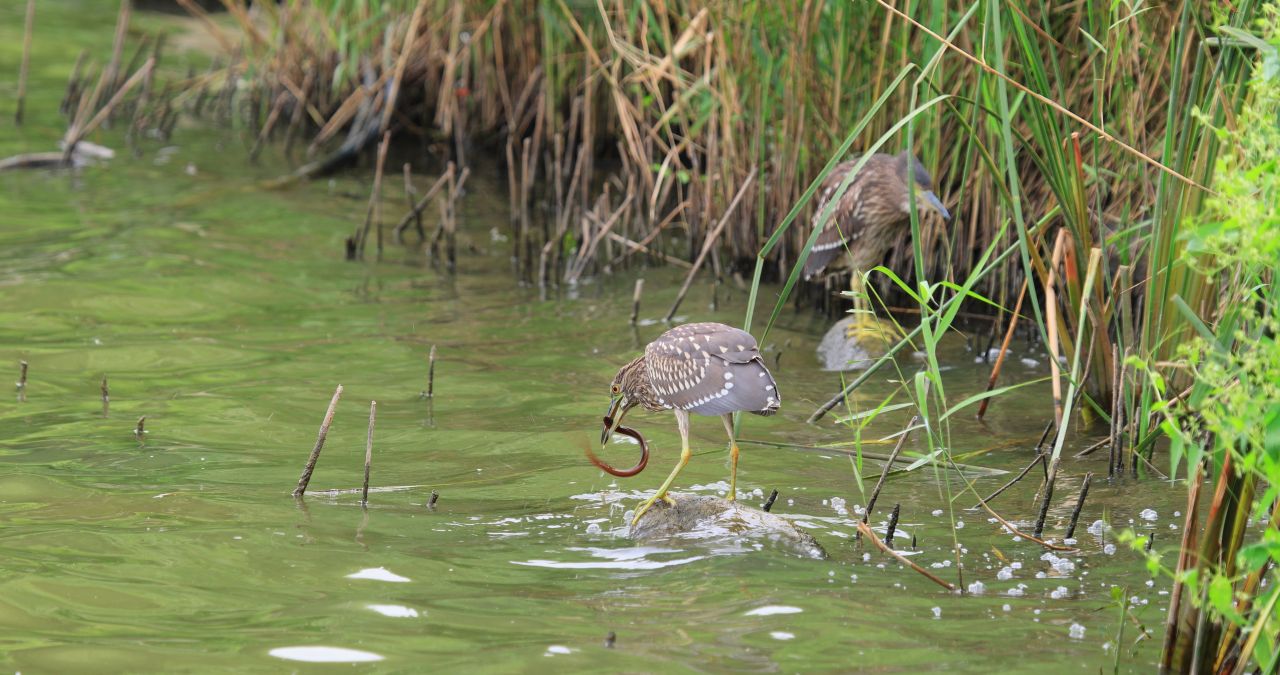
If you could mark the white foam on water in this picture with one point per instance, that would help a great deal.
(318, 654)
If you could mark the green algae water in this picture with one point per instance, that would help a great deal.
(226, 315)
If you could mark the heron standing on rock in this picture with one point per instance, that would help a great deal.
(701, 368)
(866, 221)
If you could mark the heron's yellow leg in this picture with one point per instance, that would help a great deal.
(682, 421)
(733, 457)
(864, 326)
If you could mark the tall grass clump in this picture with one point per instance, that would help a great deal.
(1224, 614)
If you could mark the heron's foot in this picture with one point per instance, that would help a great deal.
(649, 503)
(866, 327)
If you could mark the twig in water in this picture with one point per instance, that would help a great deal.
(435, 497)
(431, 373)
(1048, 495)
(610, 640)
(865, 530)
(411, 194)
(635, 301)
(1007, 525)
(22, 380)
(305, 478)
(415, 212)
(368, 454)
(768, 503)
(26, 61)
(1151, 539)
(1075, 513)
(373, 215)
(893, 525)
(884, 473)
(106, 396)
(1006, 486)
(140, 430)
(1004, 349)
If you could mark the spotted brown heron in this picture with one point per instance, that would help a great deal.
(700, 368)
(867, 219)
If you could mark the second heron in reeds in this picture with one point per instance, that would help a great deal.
(867, 219)
(701, 368)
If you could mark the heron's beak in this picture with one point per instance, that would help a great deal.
(613, 417)
(933, 201)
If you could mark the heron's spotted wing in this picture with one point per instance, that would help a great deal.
(710, 369)
(849, 218)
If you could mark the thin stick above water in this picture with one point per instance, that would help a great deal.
(865, 530)
(22, 380)
(106, 397)
(368, 453)
(307, 470)
(1075, 513)
(1004, 349)
(26, 61)
(635, 301)
(431, 373)
(884, 473)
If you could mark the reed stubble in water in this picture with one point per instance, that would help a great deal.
(1075, 513)
(635, 301)
(368, 454)
(140, 429)
(768, 503)
(26, 62)
(22, 380)
(891, 529)
(884, 474)
(106, 397)
(310, 467)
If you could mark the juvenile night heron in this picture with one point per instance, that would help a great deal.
(701, 368)
(867, 219)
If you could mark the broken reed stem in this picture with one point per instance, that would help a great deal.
(1008, 525)
(411, 195)
(1051, 309)
(431, 373)
(1039, 458)
(140, 429)
(768, 503)
(79, 131)
(368, 454)
(865, 530)
(884, 473)
(1075, 513)
(26, 61)
(1048, 495)
(373, 215)
(305, 478)
(892, 526)
(710, 242)
(435, 497)
(635, 301)
(1004, 349)
(415, 211)
(106, 396)
(22, 380)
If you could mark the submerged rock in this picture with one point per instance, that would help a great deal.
(711, 519)
(838, 352)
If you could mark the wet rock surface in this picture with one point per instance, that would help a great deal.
(837, 352)
(711, 519)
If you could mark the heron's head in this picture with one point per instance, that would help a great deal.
(921, 183)
(623, 395)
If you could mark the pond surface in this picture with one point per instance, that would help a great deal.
(226, 315)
